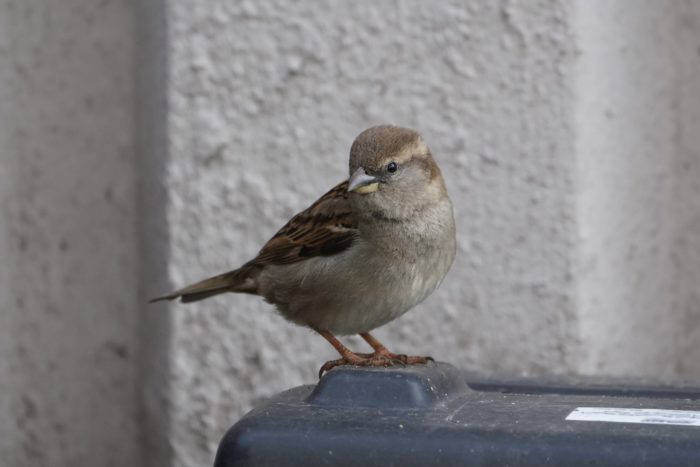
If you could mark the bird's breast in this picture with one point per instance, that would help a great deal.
(389, 269)
(407, 261)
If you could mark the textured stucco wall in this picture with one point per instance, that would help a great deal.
(264, 100)
(638, 159)
(68, 273)
(687, 192)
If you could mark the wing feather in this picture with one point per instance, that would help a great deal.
(326, 228)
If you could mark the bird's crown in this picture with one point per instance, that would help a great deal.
(378, 145)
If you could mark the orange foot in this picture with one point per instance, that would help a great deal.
(398, 359)
(380, 358)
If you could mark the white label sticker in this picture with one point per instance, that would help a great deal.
(651, 416)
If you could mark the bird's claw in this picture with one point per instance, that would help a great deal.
(399, 358)
(385, 359)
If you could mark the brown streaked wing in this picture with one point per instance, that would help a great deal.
(326, 228)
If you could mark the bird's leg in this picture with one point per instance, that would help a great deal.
(348, 357)
(382, 352)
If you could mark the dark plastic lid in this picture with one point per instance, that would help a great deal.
(435, 415)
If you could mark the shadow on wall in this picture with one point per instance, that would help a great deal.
(154, 324)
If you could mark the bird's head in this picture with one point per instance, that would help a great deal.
(393, 173)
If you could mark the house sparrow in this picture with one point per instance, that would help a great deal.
(365, 253)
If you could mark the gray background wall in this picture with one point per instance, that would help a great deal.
(69, 265)
(149, 144)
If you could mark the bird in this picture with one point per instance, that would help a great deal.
(370, 249)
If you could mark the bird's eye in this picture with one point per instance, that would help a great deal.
(392, 167)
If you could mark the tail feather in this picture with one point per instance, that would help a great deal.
(239, 280)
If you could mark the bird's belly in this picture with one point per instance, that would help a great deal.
(344, 299)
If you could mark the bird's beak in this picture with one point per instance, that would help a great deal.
(361, 182)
